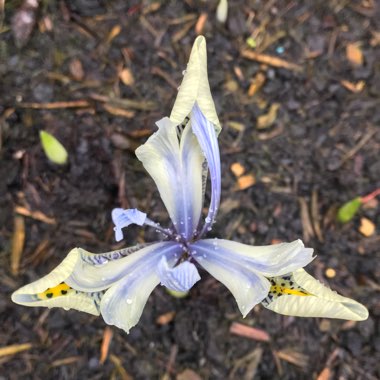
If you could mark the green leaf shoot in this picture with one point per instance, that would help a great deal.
(53, 149)
(349, 210)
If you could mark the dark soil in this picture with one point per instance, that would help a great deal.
(315, 146)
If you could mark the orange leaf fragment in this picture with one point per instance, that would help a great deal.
(126, 77)
(325, 374)
(256, 84)
(237, 169)
(367, 227)
(354, 54)
(199, 26)
(246, 181)
(104, 348)
(249, 332)
(166, 318)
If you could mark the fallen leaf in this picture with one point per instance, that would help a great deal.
(367, 227)
(188, 374)
(267, 120)
(126, 77)
(18, 241)
(237, 169)
(166, 318)
(256, 84)
(249, 332)
(353, 87)
(293, 357)
(246, 181)
(14, 349)
(354, 54)
(348, 210)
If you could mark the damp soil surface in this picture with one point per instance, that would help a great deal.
(300, 119)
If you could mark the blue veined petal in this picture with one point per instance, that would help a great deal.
(301, 295)
(206, 134)
(248, 287)
(180, 278)
(269, 260)
(123, 218)
(176, 168)
(99, 272)
(243, 268)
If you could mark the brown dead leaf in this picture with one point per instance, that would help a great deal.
(14, 349)
(76, 69)
(104, 348)
(367, 227)
(115, 31)
(294, 357)
(256, 84)
(267, 120)
(188, 374)
(18, 241)
(249, 332)
(118, 111)
(353, 87)
(126, 77)
(237, 169)
(246, 181)
(354, 54)
(166, 318)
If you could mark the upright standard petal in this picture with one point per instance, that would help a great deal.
(299, 294)
(247, 286)
(206, 135)
(176, 168)
(195, 87)
(180, 278)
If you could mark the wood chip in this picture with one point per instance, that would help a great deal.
(237, 169)
(37, 215)
(246, 181)
(166, 318)
(126, 77)
(249, 332)
(270, 60)
(325, 374)
(367, 227)
(76, 69)
(267, 120)
(307, 227)
(353, 87)
(119, 111)
(66, 361)
(200, 25)
(119, 367)
(18, 241)
(294, 357)
(104, 348)
(354, 54)
(14, 349)
(256, 84)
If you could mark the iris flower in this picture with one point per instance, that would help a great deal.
(180, 157)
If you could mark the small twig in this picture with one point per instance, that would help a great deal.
(55, 105)
(157, 71)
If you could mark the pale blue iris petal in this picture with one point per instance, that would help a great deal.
(246, 285)
(123, 218)
(271, 260)
(207, 138)
(180, 278)
(96, 275)
(176, 168)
